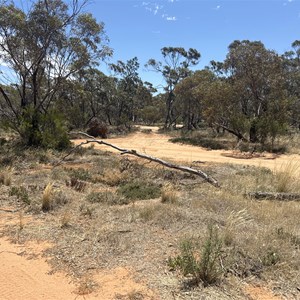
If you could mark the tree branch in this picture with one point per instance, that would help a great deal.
(200, 173)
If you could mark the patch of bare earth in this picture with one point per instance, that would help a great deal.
(158, 145)
(260, 293)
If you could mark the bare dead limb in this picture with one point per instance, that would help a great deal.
(274, 196)
(200, 173)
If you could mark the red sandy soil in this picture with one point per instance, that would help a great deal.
(29, 279)
(157, 145)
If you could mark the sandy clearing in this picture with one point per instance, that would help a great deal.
(260, 293)
(22, 278)
(158, 145)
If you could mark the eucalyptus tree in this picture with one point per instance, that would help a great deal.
(192, 93)
(87, 95)
(291, 61)
(257, 77)
(45, 45)
(133, 94)
(174, 67)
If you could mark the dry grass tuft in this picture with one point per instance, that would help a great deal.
(65, 219)
(6, 176)
(47, 199)
(169, 195)
(111, 177)
(235, 220)
(285, 177)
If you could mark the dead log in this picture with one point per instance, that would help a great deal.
(200, 173)
(274, 196)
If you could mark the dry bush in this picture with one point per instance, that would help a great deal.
(6, 176)
(65, 219)
(76, 184)
(97, 129)
(111, 177)
(169, 194)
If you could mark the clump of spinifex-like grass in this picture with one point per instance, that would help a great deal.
(47, 198)
(286, 178)
(169, 195)
(6, 176)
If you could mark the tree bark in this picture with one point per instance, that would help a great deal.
(274, 196)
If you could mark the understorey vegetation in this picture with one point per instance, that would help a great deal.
(117, 211)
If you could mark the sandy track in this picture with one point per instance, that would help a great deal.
(158, 145)
(21, 278)
(26, 275)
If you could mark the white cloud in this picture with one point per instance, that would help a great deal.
(217, 7)
(171, 19)
(152, 7)
(168, 18)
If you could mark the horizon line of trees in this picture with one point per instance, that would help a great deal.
(54, 49)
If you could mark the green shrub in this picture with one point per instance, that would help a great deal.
(21, 193)
(208, 143)
(44, 130)
(80, 174)
(140, 190)
(202, 264)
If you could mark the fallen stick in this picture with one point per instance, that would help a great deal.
(91, 139)
(274, 196)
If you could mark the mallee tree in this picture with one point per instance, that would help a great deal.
(45, 45)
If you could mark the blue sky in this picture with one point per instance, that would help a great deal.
(142, 28)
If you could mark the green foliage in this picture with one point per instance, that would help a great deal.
(80, 174)
(21, 193)
(140, 190)
(199, 141)
(204, 265)
(270, 258)
(44, 130)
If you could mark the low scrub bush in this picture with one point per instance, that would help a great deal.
(140, 190)
(106, 197)
(80, 174)
(203, 264)
(208, 143)
(21, 193)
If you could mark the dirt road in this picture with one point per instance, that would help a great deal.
(158, 145)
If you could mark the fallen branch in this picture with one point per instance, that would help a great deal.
(200, 173)
(274, 196)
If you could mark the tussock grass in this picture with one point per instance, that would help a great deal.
(47, 198)
(169, 194)
(111, 177)
(6, 176)
(234, 222)
(286, 177)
